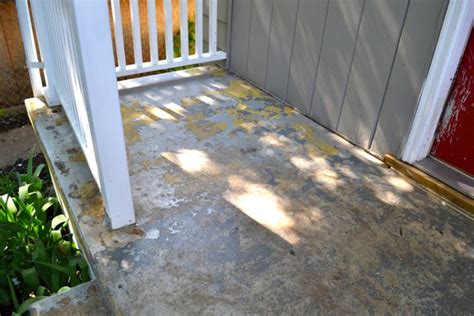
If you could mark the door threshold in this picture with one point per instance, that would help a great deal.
(464, 203)
(454, 178)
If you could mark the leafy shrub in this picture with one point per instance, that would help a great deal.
(8, 183)
(38, 256)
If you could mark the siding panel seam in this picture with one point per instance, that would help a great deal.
(292, 49)
(248, 38)
(319, 57)
(350, 66)
(268, 48)
(374, 129)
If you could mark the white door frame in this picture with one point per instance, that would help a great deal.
(449, 50)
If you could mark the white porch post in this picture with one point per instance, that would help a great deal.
(94, 42)
(43, 42)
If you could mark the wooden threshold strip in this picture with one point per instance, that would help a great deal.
(462, 201)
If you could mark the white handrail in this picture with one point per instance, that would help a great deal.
(170, 61)
(76, 44)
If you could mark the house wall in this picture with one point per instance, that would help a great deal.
(222, 22)
(356, 67)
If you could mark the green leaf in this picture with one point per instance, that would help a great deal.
(11, 209)
(48, 204)
(12, 293)
(26, 304)
(23, 192)
(31, 277)
(38, 170)
(55, 277)
(56, 235)
(63, 289)
(56, 267)
(40, 291)
(58, 220)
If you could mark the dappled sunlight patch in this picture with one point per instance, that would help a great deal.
(206, 99)
(319, 169)
(158, 113)
(400, 184)
(387, 196)
(192, 161)
(328, 178)
(274, 139)
(308, 163)
(178, 109)
(212, 92)
(263, 206)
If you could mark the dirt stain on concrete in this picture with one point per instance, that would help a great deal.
(90, 200)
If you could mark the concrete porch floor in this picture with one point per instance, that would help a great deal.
(245, 206)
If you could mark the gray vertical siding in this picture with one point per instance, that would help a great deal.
(259, 38)
(310, 24)
(336, 60)
(239, 37)
(356, 67)
(281, 45)
(376, 46)
(411, 65)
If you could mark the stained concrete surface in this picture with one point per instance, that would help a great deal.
(81, 300)
(245, 206)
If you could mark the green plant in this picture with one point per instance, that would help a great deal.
(38, 255)
(191, 41)
(8, 183)
(2, 113)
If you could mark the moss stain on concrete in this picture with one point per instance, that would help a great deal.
(239, 89)
(201, 127)
(313, 144)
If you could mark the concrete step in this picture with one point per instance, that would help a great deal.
(84, 299)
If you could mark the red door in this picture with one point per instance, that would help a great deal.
(454, 140)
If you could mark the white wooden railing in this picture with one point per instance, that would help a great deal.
(185, 59)
(77, 60)
(77, 55)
